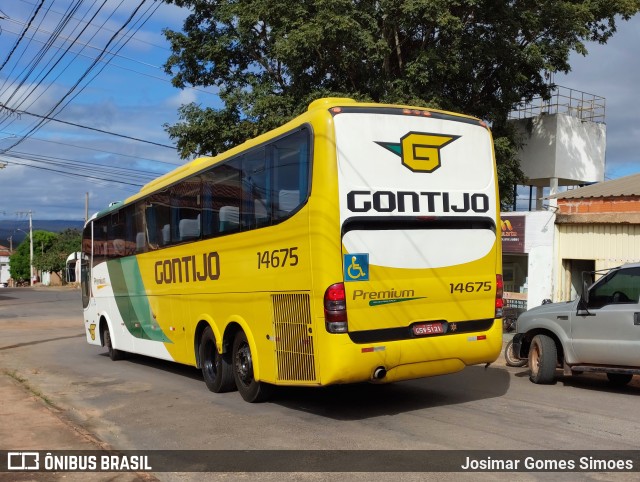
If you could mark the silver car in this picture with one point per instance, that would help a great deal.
(598, 332)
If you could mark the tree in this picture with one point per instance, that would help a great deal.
(480, 57)
(50, 252)
(19, 262)
(54, 258)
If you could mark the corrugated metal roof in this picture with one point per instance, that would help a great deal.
(625, 186)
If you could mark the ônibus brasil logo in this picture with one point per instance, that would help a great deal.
(420, 151)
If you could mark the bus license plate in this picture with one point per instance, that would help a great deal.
(422, 329)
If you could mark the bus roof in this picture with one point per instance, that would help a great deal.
(323, 104)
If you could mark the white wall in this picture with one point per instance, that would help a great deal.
(4, 270)
(562, 147)
(538, 244)
(540, 275)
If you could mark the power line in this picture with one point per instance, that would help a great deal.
(82, 44)
(75, 146)
(15, 46)
(86, 165)
(41, 76)
(18, 111)
(189, 87)
(104, 28)
(58, 105)
(13, 160)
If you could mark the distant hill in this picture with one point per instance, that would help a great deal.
(11, 228)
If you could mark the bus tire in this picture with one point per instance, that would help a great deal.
(510, 358)
(216, 367)
(114, 353)
(250, 389)
(543, 359)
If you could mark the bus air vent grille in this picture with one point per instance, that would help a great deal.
(294, 340)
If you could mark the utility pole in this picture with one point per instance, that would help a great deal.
(31, 248)
(30, 214)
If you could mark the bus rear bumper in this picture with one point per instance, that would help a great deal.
(410, 359)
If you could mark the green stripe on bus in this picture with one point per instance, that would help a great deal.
(132, 301)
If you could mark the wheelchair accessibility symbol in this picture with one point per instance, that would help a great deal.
(356, 267)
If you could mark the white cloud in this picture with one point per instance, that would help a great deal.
(185, 96)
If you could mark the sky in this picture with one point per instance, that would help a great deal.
(52, 168)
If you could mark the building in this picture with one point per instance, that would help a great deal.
(4, 264)
(564, 141)
(597, 227)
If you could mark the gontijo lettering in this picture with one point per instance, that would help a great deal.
(188, 269)
(416, 202)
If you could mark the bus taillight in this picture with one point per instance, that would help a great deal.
(499, 293)
(335, 309)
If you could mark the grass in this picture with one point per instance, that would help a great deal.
(35, 392)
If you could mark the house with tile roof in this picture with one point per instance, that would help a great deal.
(597, 227)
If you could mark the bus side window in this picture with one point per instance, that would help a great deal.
(165, 235)
(186, 204)
(290, 173)
(141, 242)
(288, 200)
(136, 233)
(261, 213)
(227, 195)
(100, 240)
(189, 228)
(255, 190)
(229, 218)
(209, 216)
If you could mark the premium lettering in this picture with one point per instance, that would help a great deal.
(382, 295)
(416, 202)
(188, 269)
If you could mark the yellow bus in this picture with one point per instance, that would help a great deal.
(358, 242)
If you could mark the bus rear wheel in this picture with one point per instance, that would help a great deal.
(250, 389)
(216, 367)
(114, 353)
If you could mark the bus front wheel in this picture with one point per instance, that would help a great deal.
(250, 389)
(114, 353)
(216, 367)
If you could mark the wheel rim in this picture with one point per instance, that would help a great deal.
(535, 359)
(510, 356)
(244, 365)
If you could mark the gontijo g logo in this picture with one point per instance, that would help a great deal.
(420, 151)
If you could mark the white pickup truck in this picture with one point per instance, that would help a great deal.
(598, 332)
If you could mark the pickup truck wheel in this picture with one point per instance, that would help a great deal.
(619, 379)
(510, 358)
(543, 358)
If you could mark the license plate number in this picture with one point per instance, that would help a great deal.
(422, 329)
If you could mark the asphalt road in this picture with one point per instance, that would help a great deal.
(142, 403)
